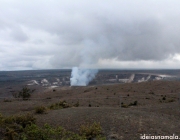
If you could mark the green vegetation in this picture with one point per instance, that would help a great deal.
(18, 120)
(59, 105)
(91, 131)
(55, 106)
(25, 93)
(12, 127)
(23, 127)
(124, 105)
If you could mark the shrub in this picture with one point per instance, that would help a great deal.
(171, 100)
(11, 134)
(91, 131)
(34, 132)
(52, 106)
(25, 93)
(23, 127)
(59, 105)
(47, 132)
(124, 106)
(13, 128)
(40, 109)
(23, 120)
(13, 125)
(135, 103)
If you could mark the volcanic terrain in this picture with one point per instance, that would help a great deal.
(125, 111)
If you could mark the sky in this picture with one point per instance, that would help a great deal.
(60, 34)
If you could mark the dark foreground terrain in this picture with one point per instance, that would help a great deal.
(124, 111)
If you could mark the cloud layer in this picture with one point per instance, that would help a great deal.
(94, 34)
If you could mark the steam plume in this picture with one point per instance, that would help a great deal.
(82, 77)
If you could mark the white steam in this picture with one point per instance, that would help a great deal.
(82, 77)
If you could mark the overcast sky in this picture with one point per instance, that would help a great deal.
(54, 34)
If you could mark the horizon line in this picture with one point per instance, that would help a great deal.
(94, 68)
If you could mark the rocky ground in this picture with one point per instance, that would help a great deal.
(156, 111)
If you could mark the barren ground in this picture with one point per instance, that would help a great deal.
(152, 115)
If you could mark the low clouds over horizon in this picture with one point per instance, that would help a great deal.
(93, 34)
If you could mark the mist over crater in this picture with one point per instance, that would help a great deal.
(82, 77)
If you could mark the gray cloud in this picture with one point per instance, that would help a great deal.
(63, 34)
(18, 34)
